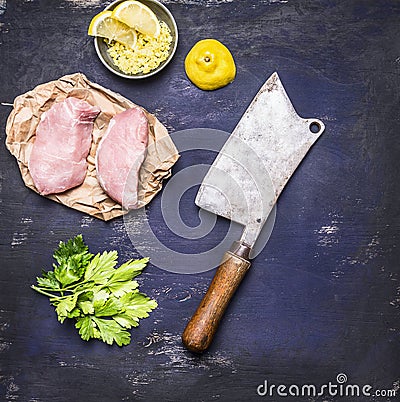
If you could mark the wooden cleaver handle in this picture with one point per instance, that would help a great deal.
(200, 330)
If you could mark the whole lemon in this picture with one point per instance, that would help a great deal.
(210, 65)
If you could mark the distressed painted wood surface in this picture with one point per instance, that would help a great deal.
(322, 298)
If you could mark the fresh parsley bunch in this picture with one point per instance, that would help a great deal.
(104, 300)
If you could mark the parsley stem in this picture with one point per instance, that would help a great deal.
(75, 286)
(43, 292)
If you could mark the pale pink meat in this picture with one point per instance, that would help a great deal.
(63, 139)
(120, 155)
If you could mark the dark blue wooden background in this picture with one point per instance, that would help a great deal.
(322, 298)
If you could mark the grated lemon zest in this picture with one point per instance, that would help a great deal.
(147, 55)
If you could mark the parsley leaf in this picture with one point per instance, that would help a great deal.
(86, 327)
(72, 247)
(118, 289)
(48, 280)
(73, 258)
(126, 321)
(121, 281)
(137, 305)
(111, 331)
(101, 267)
(86, 307)
(107, 309)
(103, 299)
(65, 306)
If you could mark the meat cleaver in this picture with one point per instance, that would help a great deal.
(242, 185)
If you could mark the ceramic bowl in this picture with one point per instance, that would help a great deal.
(163, 14)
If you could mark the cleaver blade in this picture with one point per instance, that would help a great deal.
(243, 185)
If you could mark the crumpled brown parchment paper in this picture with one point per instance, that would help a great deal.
(89, 197)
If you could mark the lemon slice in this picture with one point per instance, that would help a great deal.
(105, 26)
(138, 16)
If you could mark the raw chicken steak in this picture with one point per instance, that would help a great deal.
(120, 154)
(63, 139)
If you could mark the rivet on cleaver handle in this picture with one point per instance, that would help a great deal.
(200, 330)
(242, 185)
